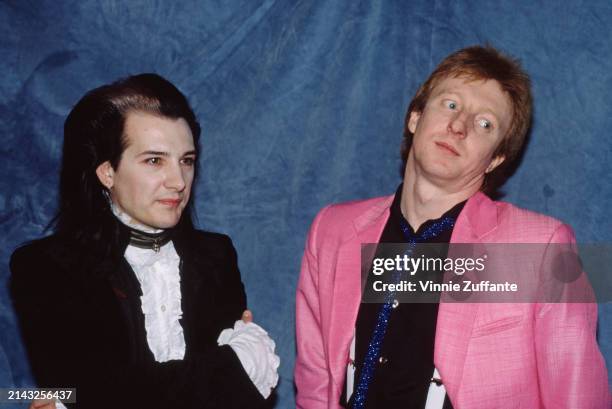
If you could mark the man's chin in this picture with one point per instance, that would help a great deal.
(441, 172)
(164, 223)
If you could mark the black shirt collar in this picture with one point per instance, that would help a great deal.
(395, 234)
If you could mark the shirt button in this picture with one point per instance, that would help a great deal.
(395, 304)
(163, 308)
(382, 360)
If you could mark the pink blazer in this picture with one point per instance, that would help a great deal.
(488, 355)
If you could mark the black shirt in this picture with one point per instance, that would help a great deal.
(403, 373)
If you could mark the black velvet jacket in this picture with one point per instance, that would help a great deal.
(83, 327)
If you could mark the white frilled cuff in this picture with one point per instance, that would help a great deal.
(255, 350)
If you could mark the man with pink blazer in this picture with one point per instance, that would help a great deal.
(464, 128)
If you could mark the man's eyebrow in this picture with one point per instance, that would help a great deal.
(154, 153)
(162, 153)
(492, 113)
(445, 93)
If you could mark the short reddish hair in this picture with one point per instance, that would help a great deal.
(483, 63)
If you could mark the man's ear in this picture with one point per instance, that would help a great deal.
(413, 121)
(495, 162)
(106, 174)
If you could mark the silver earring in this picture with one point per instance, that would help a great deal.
(106, 194)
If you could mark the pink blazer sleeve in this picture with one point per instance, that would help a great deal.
(571, 369)
(311, 370)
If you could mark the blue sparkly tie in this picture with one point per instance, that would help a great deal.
(382, 321)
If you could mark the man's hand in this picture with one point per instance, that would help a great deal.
(255, 350)
(247, 316)
(42, 404)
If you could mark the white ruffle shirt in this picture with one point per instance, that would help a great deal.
(158, 275)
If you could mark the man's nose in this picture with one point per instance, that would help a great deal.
(175, 178)
(457, 126)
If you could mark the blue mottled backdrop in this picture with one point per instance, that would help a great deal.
(302, 104)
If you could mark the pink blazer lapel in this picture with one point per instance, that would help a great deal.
(478, 218)
(455, 319)
(347, 285)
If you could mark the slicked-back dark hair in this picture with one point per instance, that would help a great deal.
(94, 133)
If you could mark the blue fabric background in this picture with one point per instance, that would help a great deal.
(301, 104)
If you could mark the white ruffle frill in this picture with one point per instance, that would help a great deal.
(158, 274)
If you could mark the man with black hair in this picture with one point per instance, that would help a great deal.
(127, 301)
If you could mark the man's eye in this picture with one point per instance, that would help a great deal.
(451, 104)
(484, 124)
(153, 161)
(188, 161)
